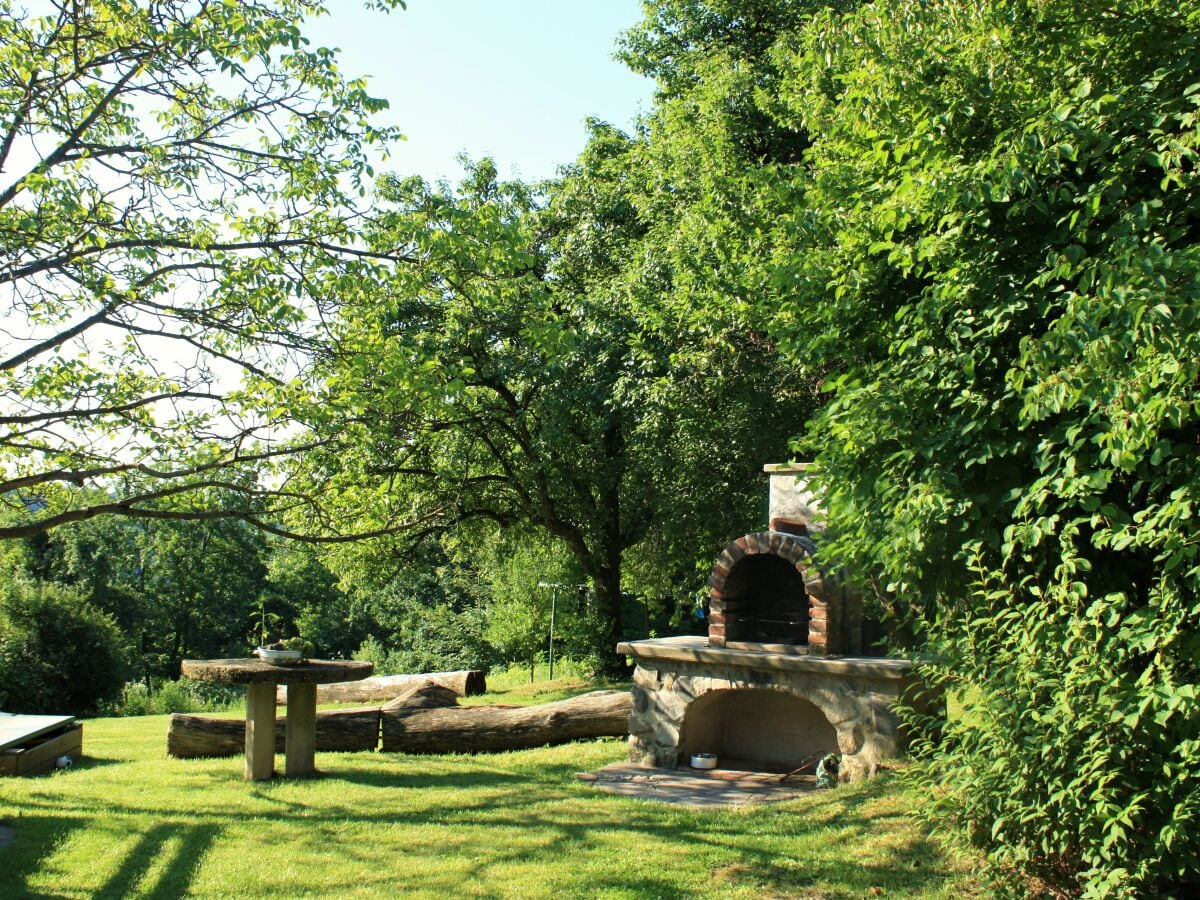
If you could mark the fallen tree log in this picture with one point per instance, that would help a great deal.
(386, 687)
(337, 729)
(481, 729)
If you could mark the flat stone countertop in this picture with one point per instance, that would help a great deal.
(695, 649)
(255, 671)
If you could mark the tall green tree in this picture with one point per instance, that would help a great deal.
(519, 373)
(175, 589)
(174, 178)
(491, 394)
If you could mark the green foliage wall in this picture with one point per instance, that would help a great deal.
(1003, 200)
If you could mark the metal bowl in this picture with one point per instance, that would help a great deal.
(278, 657)
(704, 760)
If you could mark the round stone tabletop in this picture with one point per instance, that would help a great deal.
(255, 671)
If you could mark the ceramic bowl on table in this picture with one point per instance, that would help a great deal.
(278, 657)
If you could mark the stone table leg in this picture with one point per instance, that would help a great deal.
(301, 735)
(260, 732)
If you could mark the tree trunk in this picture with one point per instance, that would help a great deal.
(609, 602)
(477, 729)
(337, 729)
(609, 599)
(387, 687)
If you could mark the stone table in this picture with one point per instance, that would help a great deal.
(261, 679)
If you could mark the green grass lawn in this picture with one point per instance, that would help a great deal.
(128, 821)
(513, 688)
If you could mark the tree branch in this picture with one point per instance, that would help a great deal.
(59, 339)
(78, 477)
(75, 134)
(94, 412)
(167, 243)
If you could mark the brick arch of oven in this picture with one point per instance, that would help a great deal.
(727, 610)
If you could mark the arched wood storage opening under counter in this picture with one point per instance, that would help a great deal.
(756, 729)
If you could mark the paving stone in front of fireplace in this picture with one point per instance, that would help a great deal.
(715, 789)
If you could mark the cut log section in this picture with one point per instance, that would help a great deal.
(337, 729)
(387, 687)
(481, 729)
(425, 695)
(424, 719)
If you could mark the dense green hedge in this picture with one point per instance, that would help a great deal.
(996, 236)
(974, 225)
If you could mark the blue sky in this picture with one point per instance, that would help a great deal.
(513, 79)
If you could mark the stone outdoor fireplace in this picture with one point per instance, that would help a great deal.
(781, 677)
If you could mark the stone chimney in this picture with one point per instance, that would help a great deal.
(794, 509)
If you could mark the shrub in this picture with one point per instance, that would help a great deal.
(134, 701)
(449, 650)
(175, 697)
(58, 654)
(372, 650)
(172, 697)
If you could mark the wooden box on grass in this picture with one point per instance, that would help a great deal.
(30, 745)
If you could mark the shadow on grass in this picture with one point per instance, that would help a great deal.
(79, 766)
(415, 779)
(828, 828)
(92, 762)
(35, 838)
(187, 845)
(828, 835)
(559, 818)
